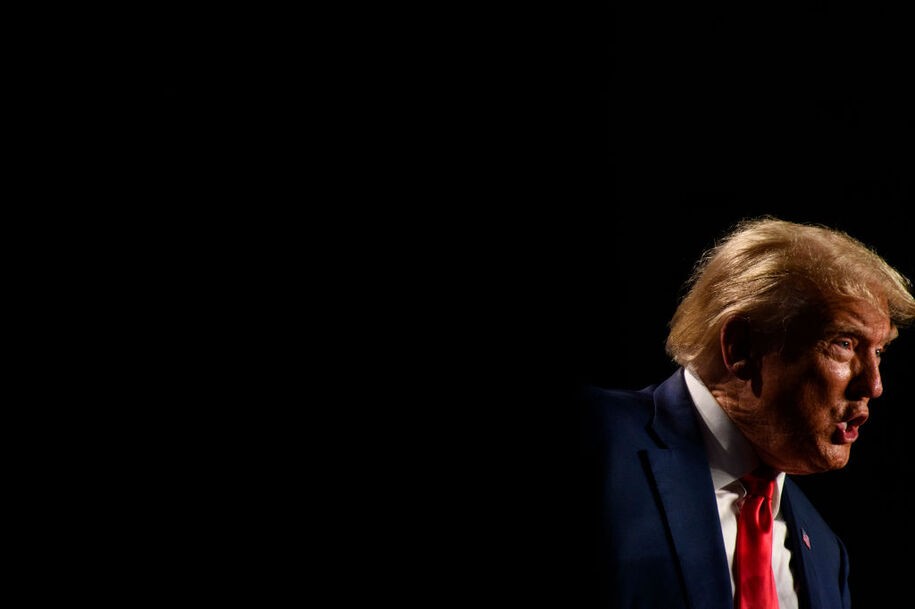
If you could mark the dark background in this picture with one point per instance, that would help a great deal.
(531, 189)
(645, 135)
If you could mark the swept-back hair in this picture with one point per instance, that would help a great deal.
(773, 272)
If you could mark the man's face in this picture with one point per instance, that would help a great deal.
(813, 395)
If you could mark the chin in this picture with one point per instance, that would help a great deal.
(837, 457)
(829, 458)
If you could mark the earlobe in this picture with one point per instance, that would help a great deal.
(742, 369)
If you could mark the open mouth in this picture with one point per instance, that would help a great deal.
(847, 431)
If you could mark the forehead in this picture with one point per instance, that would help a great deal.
(861, 317)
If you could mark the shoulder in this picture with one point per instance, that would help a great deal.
(609, 396)
(614, 413)
(602, 402)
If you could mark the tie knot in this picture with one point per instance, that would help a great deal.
(760, 482)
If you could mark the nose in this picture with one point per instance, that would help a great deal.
(868, 382)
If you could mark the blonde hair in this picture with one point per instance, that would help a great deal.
(773, 271)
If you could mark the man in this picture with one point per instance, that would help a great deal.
(779, 340)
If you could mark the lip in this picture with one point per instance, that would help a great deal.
(847, 431)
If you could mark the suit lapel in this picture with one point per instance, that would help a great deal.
(681, 474)
(802, 563)
(685, 488)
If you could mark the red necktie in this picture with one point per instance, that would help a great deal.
(754, 581)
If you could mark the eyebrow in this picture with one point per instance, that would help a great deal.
(858, 329)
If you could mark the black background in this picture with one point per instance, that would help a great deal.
(527, 192)
(642, 135)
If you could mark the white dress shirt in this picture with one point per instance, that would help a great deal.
(730, 457)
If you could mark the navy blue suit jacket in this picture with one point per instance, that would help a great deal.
(659, 541)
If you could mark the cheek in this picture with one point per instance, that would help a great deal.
(807, 392)
(835, 376)
(794, 377)
(822, 392)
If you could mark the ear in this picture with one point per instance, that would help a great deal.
(736, 347)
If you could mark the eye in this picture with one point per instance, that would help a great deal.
(845, 344)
